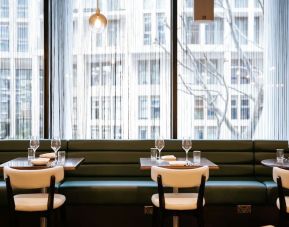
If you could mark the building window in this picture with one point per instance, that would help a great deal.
(95, 74)
(241, 3)
(105, 108)
(155, 107)
(4, 37)
(192, 31)
(245, 108)
(258, 3)
(113, 5)
(106, 132)
(4, 80)
(211, 107)
(212, 132)
(116, 108)
(94, 108)
(161, 23)
(155, 71)
(215, 32)
(148, 71)
(143, 107)
(22, 37)
(117, 132)
(199, 107)
(112, 29)
(234, 107)
(22, 8)
(4, 8)
(155, 132)
(94, 132)
(239, 72)
(147, 29)
(143, 75)
(242, 29)
(189, 3)
(142, 132)
(257, 30)
(199, 132)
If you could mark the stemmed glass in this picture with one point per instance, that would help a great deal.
(34, 143)
(159, 144)
(55, 145)
(187, 145)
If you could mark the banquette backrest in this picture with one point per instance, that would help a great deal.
(120, 158)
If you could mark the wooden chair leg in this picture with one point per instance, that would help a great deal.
(161, 218)
(50, 219)
(155, 217)
(13, 222)
(200, 219)
(63, 216)
(282, 222)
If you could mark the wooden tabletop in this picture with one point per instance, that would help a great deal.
(147, 163)
(273, 163)
(22, 163)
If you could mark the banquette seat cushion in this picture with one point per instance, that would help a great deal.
(111, 173)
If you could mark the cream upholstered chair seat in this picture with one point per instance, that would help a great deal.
(287, 202)
(36, 202)
(178, 201)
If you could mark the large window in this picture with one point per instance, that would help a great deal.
(21, 69)
(121, 77)
(231, 73)
(220, 76)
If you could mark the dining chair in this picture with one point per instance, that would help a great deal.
(178, 204)
(281, 177)
(41, 204)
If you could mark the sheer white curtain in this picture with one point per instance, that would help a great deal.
(61, 75)
(274, 123)
(113, 85)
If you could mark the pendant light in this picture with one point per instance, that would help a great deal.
(97, 21)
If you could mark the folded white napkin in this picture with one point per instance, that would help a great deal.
(48, 155)
(40, 161)
(177, 163)
(169, 158)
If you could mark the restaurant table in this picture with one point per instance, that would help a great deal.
(22, 163)
(147, 163)
(273, 163)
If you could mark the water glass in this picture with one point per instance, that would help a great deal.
(31, 154)
(280, 155)
(197, 157)
(61, 158)
(154, 154)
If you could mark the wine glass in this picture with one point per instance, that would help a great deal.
(34, 143)
(55, 145)
(159, 144)
(187, 145)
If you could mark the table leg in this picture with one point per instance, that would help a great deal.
(175, 218)
(43, 222)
